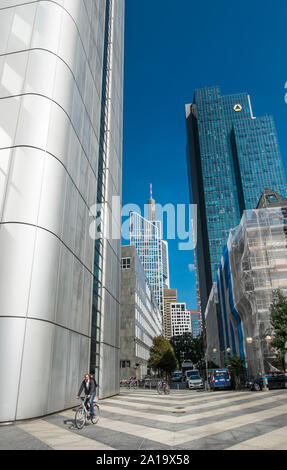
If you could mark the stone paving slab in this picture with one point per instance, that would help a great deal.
(183, 420)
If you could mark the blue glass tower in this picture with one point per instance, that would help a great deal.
(232, 157)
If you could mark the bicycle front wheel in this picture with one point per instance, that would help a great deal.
(96, 416)
(80, 418)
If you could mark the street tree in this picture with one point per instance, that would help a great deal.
(182, 346)
(188, 348)
(168, 362)
(162, 356)
(235, 365)
(278, 320)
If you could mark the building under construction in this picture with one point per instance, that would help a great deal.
(252, 268)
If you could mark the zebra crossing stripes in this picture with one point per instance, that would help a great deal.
(235, 402)
(58, 438)
(183, 420)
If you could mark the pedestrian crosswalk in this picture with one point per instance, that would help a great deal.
(58, 438)
(183, 420)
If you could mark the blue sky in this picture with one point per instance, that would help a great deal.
(172, 48)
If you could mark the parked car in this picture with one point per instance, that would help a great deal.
(177, 376)
(220, 379)
(274, 381)
(193, 379)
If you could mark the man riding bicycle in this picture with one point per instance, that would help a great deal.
(89, 386)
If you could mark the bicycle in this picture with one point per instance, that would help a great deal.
(163, 387)
(133, 384)
(83, 414)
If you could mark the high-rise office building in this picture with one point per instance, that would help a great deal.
(165, 264)
(196, 324)
(180, 319)
(253, 266)
(169, 297)
(140, 316)
(164, 244)
(232, 156)
(61, 90)
(145, 235)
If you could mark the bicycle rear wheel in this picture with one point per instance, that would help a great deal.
(80, 418)
(96, 416)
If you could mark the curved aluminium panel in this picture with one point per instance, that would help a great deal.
(51, 56)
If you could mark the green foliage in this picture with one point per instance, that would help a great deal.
(197, 349)
(235, 365)
(168, 362)
(162, 357)
(201, 366)
(188, 348)
(278, 321)
(157, 350)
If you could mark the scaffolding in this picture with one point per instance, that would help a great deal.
(258, 261)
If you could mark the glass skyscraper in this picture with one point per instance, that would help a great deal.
(61, 90)
(195, 322)
(145, 235)
(165, 264)
(232, 156)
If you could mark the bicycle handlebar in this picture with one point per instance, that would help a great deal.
(83, 398)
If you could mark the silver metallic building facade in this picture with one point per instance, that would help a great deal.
(61, 88)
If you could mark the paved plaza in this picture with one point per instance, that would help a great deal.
(183, 420)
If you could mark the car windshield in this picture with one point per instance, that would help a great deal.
(193, 375)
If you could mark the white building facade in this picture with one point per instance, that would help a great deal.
(61, 90)
(140, 316)
(180, 319)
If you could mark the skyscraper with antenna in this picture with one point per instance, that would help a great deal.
(151, 206)
(146, 235)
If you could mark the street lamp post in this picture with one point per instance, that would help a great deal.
(206, 372)
(268, 339)
(227, 350)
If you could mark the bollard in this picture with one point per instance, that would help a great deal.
(265, 384)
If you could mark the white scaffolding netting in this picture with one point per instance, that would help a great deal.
(261, 243)
(258, 262)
